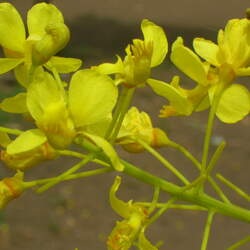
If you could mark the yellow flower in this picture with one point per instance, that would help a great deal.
(47, 35)
(233, 47)
(140, 57)
(138, 125)
(60, 114)
(125, 232)
(234, 103)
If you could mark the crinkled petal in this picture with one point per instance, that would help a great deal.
(110, 68)
(27, 141)
(155, 34)
(92, 97)
(15, 104)
(12, 31)
(178, 100)
(63, 64)
(40, 15)
(188, 62)
(207, 50)
(7, 64)
(107, 149)
(119, 206)
(234, 104)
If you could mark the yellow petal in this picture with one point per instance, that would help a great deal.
(27, 141)
(12, 31)
(40, 16)
(7, 64)
(155, 34)
(110, 68)
(119, 206)
(63, 64)
(107, 149)
(188, 62)
(43, 92)
(92, 97)
(207, 50)
(175, 97)
(99, 128)
(234, 104)
(15, 104)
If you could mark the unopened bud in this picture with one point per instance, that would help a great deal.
(24, 161)
(11, 188)
(160, 138)
(55, 39)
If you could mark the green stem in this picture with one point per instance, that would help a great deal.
(123, 110)
(117, 112)
(194, 184)
(66, 173)
(207, 230)
(173, 206)
(11, 131)
(165, 163)
(216, 98)
(155, 199)
(215, 157)
(208, 134)
(160, 212)
(201, 199)
(218, 190)
(198, 165)
(30, 184)
(239, 243)
(81, 156)
(234, 187)
(186, 153)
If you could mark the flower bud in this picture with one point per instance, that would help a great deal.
(54, 40)
(26, 160)
(138, 126)
(10, 188)
(160, 138)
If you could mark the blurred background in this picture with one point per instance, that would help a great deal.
(77, 213)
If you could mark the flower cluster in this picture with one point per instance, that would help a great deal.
(92, 110)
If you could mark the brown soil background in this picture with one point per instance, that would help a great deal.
(77, 213)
